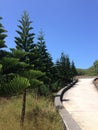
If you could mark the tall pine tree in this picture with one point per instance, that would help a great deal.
(2, 40)
(2, 35)
(25, 39)
(73, 70)
(64, 71)
(44, 58)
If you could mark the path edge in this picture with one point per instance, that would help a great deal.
(68, 122)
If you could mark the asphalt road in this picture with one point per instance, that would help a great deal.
(82, 104)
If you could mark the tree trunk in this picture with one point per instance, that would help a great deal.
(23, 107)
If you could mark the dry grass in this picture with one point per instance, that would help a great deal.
(40, 114)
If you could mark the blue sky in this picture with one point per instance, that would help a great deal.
(70, 26)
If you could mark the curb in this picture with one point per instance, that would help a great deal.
(68, 122)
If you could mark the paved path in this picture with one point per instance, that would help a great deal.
(82, 104)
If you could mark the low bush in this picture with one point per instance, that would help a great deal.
(15, 86)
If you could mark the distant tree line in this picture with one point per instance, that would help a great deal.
(91, 71)
(30, 65)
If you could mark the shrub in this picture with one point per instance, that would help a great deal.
(39, 87)
(15, 86)
(44, 89)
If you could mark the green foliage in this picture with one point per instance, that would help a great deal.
(6, 78)
(30, 74)
(92, 71)
(0, 67)
(36, 79)
(13, 65)
(34, 83)
(64, 70)
(15, 86)
(96, 67)
(18, 53)
(39, 87)
(81, 71)
(73, 70)
(24, 41)
(32, 63)
(56, 86)
(4, 53)
(43, 59)
(2, 36)
(9, 64)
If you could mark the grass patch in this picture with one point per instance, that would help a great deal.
(40, 114)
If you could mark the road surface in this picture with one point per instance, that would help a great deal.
(82, 104)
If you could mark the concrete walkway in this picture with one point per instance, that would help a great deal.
(82, 103)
